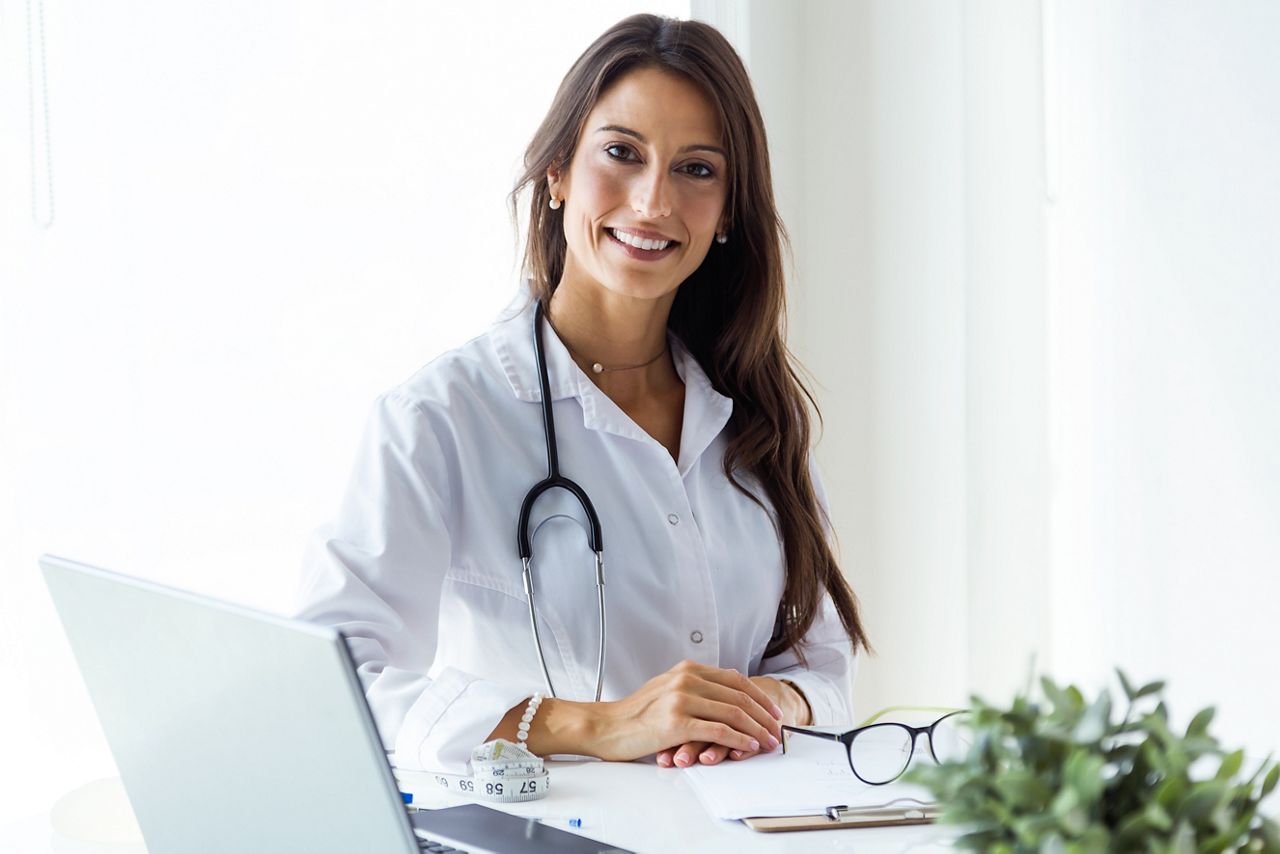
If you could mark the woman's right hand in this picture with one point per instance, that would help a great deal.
(690, 704)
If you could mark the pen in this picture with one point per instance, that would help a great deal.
(567, 821)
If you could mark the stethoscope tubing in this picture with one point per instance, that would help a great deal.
(555, 480)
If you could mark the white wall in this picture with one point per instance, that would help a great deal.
(265, 214)
(1037, 286)
(871, 180)
(1166, 365)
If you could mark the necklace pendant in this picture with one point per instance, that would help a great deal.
(597, 368)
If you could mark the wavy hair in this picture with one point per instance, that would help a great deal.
(730, 312)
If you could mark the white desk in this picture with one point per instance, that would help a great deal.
(662, 814)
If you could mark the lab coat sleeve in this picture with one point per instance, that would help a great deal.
(377, 573)
(827, 678)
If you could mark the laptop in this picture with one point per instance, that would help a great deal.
(240, 731)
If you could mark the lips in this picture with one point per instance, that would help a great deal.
(641, 238)
(639, 252)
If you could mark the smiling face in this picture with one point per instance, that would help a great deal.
(644, 193)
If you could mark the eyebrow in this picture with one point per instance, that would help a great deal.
(640, 137)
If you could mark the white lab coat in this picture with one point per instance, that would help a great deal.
(420, 568)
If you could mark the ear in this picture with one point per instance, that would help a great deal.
(555, 182)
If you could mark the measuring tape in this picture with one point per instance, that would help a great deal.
(501, 770)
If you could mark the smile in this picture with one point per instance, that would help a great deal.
(640, 247)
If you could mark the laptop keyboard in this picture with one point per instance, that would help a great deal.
(437, 847)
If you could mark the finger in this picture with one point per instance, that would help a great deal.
(687, 754)
(666, 758)
(727, 724)
(716, 732)
(767, 728)
(735, 680)
(737, 755)
(727, 711)
(713, 754)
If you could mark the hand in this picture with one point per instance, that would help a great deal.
(781, 695)
(690, 704)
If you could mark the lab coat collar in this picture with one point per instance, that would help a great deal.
(706, 411)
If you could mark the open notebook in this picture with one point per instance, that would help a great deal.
(808, 781)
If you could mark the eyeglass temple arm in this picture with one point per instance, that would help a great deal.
(830, 736)
(887, 709)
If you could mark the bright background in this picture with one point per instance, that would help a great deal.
(1036, 284)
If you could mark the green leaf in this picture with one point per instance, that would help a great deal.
(1023, 788)
(1083, 773)
(1093, 725)
(1230, 836)
(1200, 723)
(1273, 777)
(1231, 764)
(1149, 689)
(1203, 800)
(1133, 829)
(1125, 684)
(1184, 839)
(1157, 817)
(1054, 694)
(1169, 793)
(1270, 833)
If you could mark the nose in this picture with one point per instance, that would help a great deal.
(650, 198)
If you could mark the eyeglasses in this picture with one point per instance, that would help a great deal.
(880, 752)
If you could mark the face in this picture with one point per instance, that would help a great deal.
(649, 165)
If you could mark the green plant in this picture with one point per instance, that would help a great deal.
(1067, 776)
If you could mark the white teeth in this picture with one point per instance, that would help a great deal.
(639, 242)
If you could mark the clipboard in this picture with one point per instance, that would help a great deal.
(839, 817)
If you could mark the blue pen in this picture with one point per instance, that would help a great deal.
(569, 821)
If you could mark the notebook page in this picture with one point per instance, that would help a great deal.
(813, 775)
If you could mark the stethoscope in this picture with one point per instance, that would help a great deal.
(555, 480)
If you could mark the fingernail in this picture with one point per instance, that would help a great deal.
(777, 712)
(755, 745)
(664, 761)
(773, 742)
(708, 756)
(682, 759)
(737, 754)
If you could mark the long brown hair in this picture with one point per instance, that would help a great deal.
(730, 312)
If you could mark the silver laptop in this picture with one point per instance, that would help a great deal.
(239, 731)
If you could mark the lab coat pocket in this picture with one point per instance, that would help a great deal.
(484, 629)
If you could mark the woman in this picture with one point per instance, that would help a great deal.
(655, 252)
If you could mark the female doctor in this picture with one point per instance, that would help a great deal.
(655, 293)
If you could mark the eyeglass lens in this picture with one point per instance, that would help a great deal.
(952, 737)
(880, 753)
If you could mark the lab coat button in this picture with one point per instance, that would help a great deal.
(673, 519)
(695, 636)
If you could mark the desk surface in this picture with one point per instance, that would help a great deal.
(650, 809)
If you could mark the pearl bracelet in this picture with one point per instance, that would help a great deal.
(522, 736)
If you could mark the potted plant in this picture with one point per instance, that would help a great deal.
(1071, 775)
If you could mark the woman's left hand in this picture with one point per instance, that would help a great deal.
(795, 710)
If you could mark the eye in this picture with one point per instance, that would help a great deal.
(625, 148)
(707, 171)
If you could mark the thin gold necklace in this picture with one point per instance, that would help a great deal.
(597, 367)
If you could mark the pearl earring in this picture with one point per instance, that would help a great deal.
(722, 238)
(554, 204)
